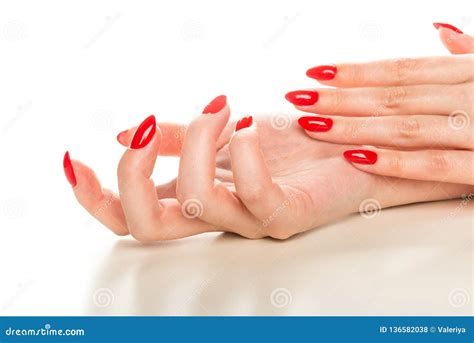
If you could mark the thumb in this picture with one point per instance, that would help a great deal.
(454, 39)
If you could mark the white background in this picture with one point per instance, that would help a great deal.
(75, 73)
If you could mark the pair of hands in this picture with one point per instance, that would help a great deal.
(263, 180)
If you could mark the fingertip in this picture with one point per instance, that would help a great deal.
(144, 133)
(216, 105)
(69, 170)
(243, 123)
(121, 137)
(456, 43)
(453, 28)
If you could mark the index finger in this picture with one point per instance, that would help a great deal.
(395, 72)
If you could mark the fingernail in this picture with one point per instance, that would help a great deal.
(447, 26)
(315, 124)
(144, 133)
(243, 123)
(215, 105)
(360, 156)
(322, 73)
(69, 170)
(302, 98)
(119, 136)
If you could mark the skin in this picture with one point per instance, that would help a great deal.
(419, 113)
(261, 181)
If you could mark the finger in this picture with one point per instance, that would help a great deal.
(172, 136)
(454, 40)
(148, 218)
(454, 166)
(166, 190)
(101, 203)
(383, 101)
(254, 184)
(396, 72)
(394, 131)
(196, 179)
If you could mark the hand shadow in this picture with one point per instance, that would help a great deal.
(385, 265)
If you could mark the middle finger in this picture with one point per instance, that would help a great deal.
(385, 101)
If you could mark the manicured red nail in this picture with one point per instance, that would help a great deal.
(215, 105)
(144, 133)
(360, 156)
(322, 73)
(243, 123)
(302, 98)
(315, 124)
(120, 135)
(447, 26)
(69, 170)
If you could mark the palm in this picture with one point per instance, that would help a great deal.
(316, 171)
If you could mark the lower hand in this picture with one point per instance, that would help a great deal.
(263, 180)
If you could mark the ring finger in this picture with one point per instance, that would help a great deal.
(415, 131)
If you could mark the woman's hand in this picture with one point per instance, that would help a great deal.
(266, 179)
(417, 112)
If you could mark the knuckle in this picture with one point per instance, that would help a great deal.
(439, 162)
(407, 128)
(393, 97)
(144, 236)
(356, 73)
(252, 194)
(402, 69)
(280, 233)
(396, 165)
(338, 98)
(254, 234)
(350, 131)
(463, 93)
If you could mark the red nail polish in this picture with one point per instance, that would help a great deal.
(144, 133)
(322, 73)
(243, 123)
(315, 124)
(215, 105)
(447, 26)
(69, 170)
(360, 156)
(303, 97)
(119, 136)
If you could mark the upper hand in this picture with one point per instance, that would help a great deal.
(418, 113)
